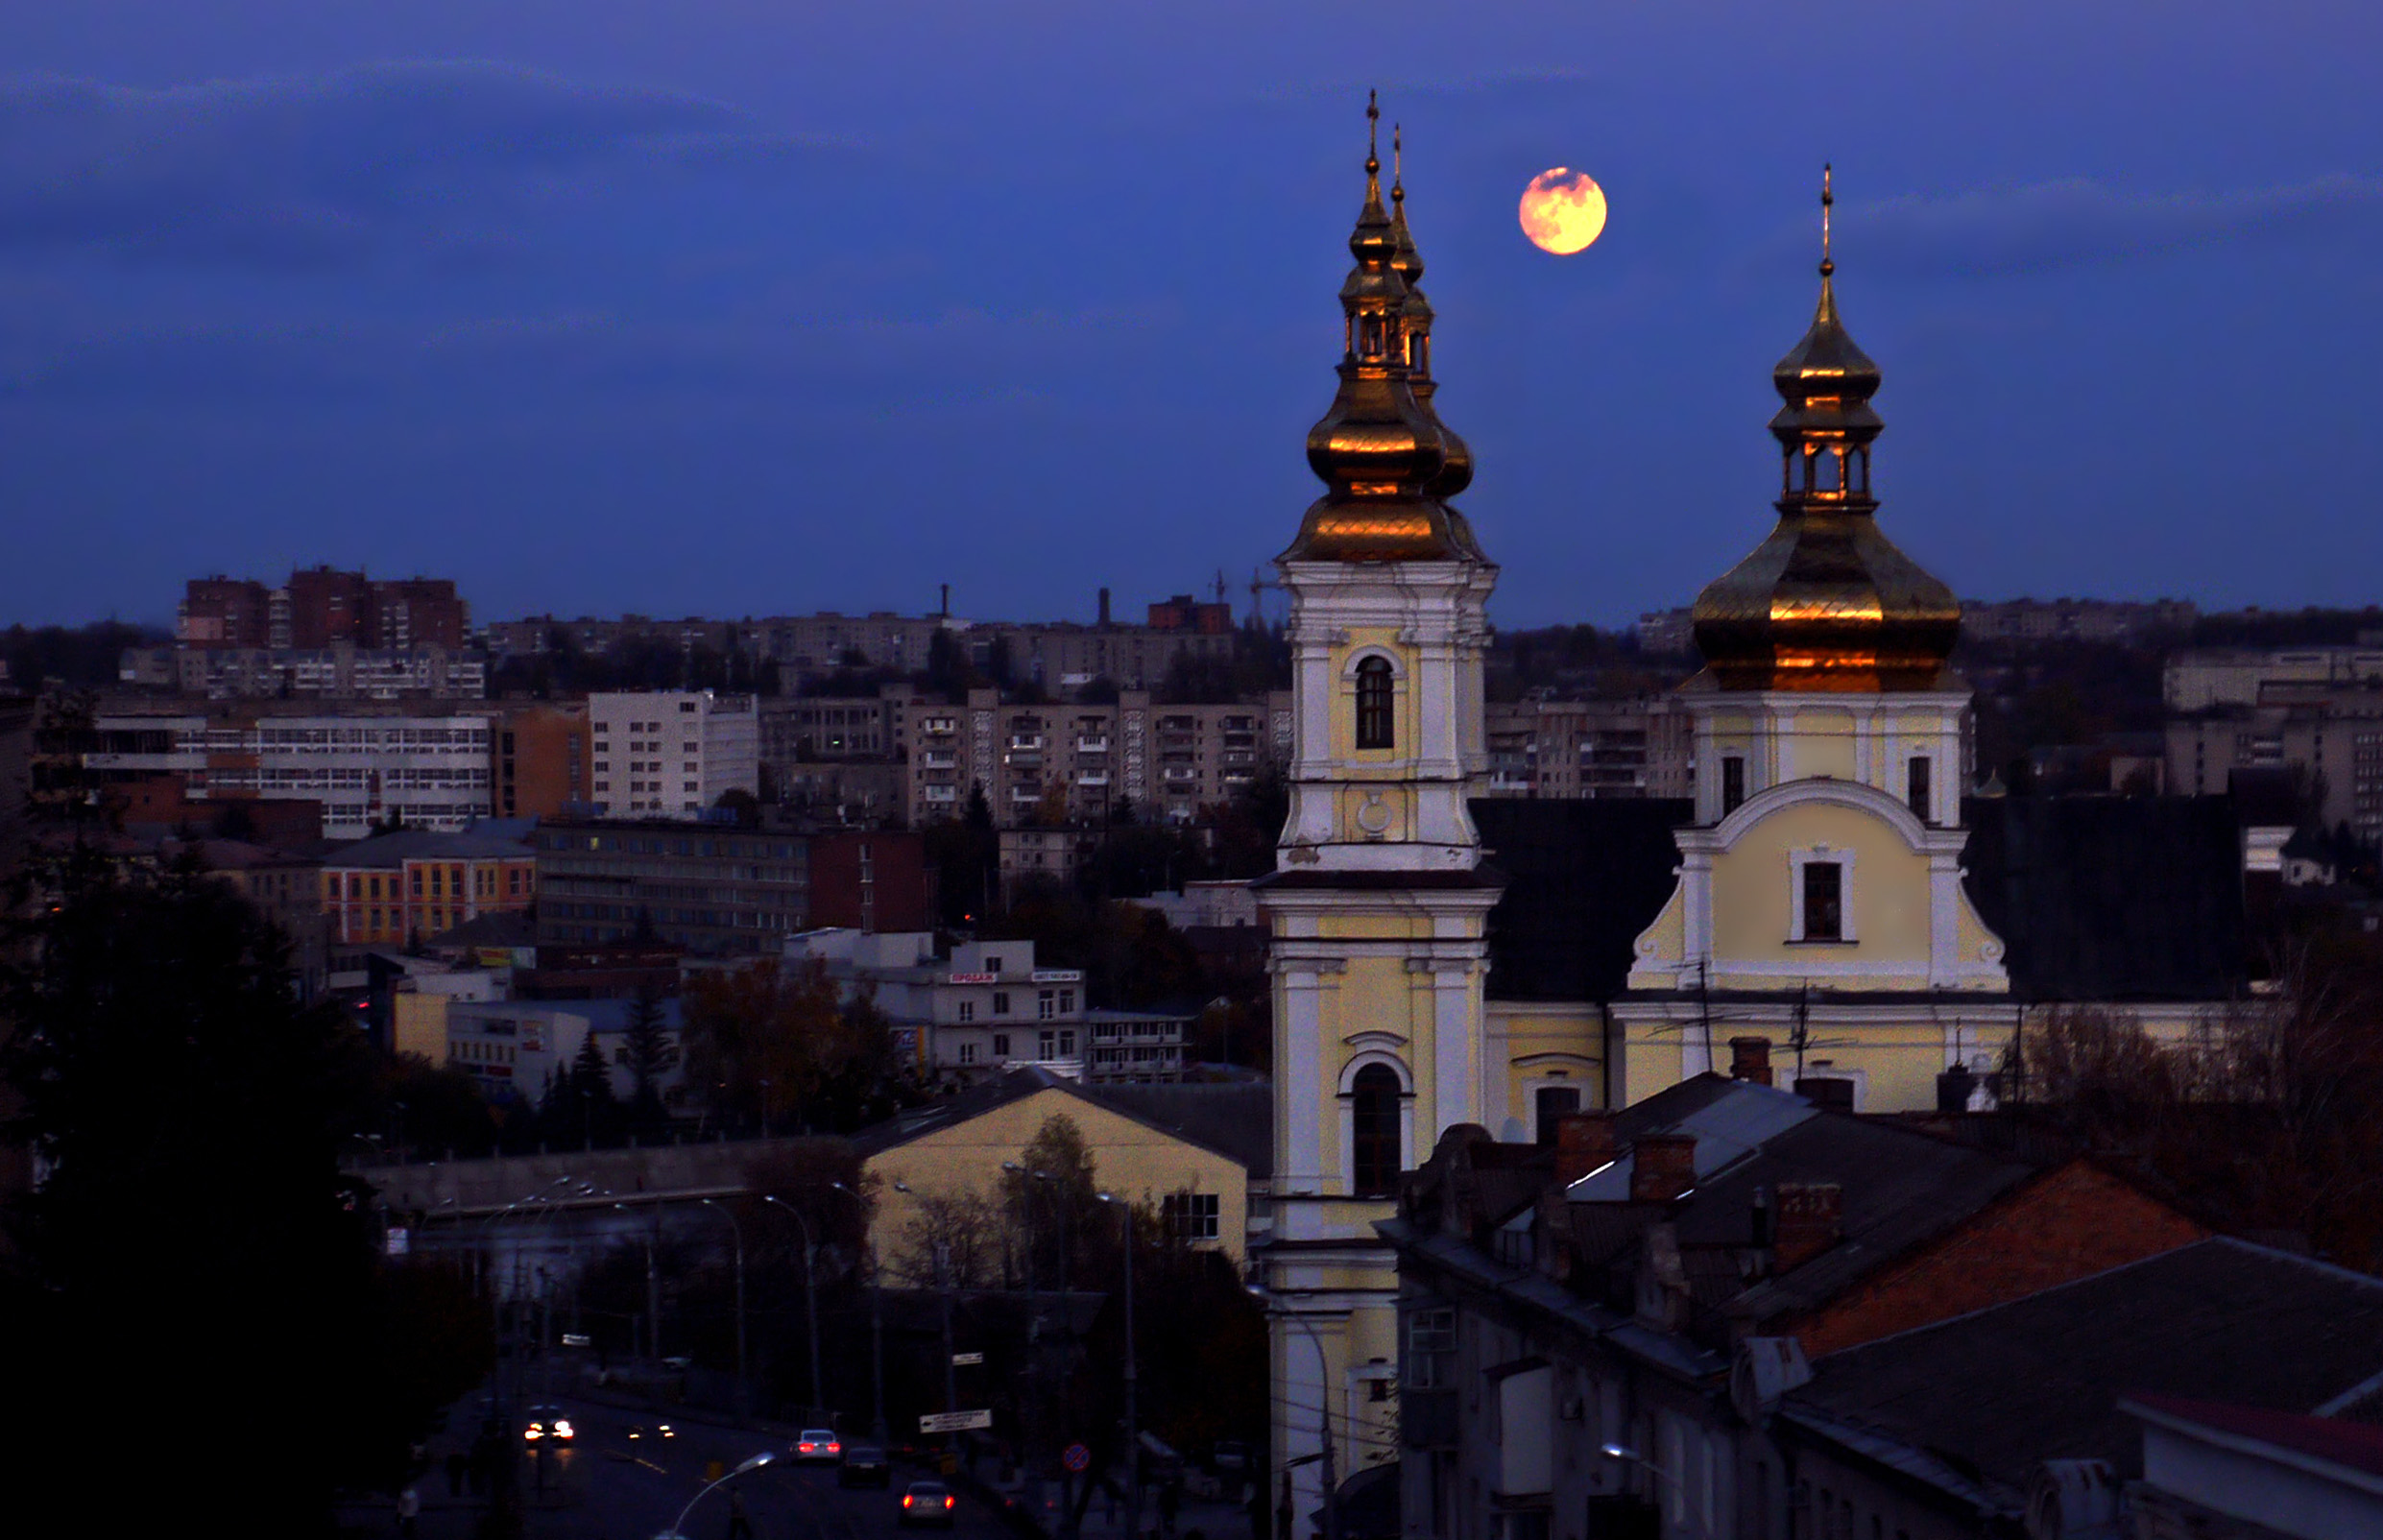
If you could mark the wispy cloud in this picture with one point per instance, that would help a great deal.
(2072, 222)
(325, 169)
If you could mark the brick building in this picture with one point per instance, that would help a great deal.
(541, 760)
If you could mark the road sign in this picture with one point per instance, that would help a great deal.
(954, 1422)
(1077, 1457)
(966, 1359)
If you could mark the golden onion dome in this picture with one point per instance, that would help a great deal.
(1378, 449)
(1827, 602)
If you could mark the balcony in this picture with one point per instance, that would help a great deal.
(939, 793)
(1026, 740)
(1180, 775)
(1093, 778)
(1098, 745)
(939, 759)
(1026, 794)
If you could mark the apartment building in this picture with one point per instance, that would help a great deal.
(832, 727)
(321, 607)
(1628, 748)
(671, 754)
(991, 1007)
(343, 671)
(426, 771)
(2211, 678)
(541, 759)
(1053, 763)
(2331, 735)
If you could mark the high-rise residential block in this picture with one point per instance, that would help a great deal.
(671, 754)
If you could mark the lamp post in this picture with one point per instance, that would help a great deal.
(678, 1525)
(1133, 1425)
(1324, 1410)
(1623, 1452)
(810, 1292)
(653, 1286)
(744, 1406)
(877, 1319)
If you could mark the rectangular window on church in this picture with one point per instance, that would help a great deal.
(1550, 1103)
(1919, 788)
(1733, 783)
(1824, 901)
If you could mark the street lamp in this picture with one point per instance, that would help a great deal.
(653, 1286)
(678, 1525)
(877, 1318)
(745, 1405)
(1623, 1452)
(1133, 1425)
(810, 1292)
(1323, 1410)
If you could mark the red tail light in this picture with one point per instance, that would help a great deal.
(948, 1501)
(906, 1500)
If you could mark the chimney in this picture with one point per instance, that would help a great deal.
(1584, 1141)
(1749, 1059)
(1662, 1166)
(1105, 607)
(1812, 1218)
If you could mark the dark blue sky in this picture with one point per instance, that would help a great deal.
(744, 306)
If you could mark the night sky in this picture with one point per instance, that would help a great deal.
(755, 307)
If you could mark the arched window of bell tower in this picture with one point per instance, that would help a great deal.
(1374, 1131)
(1374, 723)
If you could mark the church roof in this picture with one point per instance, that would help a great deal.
(1584, 878)
(2096, 898)
(2111, 898)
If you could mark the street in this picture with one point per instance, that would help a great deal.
(609, 1486)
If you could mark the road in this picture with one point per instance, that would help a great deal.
(609, 1486)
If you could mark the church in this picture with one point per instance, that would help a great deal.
(1834, 911)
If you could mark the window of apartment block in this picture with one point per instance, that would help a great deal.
(1049, 1046)
(1733, 782)
(968, 1054)
(1000, 1045)
(1001, 1002)
(1372, 705)
(1190, 1216)
(968, 1010)
(1430, 1349)
(1916, 789)
(1047, 1004)
(1067, 1045)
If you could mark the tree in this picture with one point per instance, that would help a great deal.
(779, 1048)
(652, 1054)
(194, 1244)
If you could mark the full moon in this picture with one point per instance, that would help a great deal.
(1563, 210)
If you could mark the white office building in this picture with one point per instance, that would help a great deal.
(671, 754)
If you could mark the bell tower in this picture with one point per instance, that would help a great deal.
(1378, 904)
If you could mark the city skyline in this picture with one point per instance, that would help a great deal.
(525, 299)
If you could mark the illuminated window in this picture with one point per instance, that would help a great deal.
(1373, 703)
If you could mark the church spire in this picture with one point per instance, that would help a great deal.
(1457, 473)
(1378, 450)
(1827, 602)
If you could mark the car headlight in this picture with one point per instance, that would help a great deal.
(563, 1428)
(533, 1432)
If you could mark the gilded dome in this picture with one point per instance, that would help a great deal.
(1378, 450)
(1827, 602)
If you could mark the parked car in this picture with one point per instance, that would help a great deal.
(864, 1465)
(817, 1446)
(927, 1503)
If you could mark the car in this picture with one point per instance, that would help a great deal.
(926, 1503)
(817, 1446)
(660, 1429)
(864, 1465)
(548, 1425)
